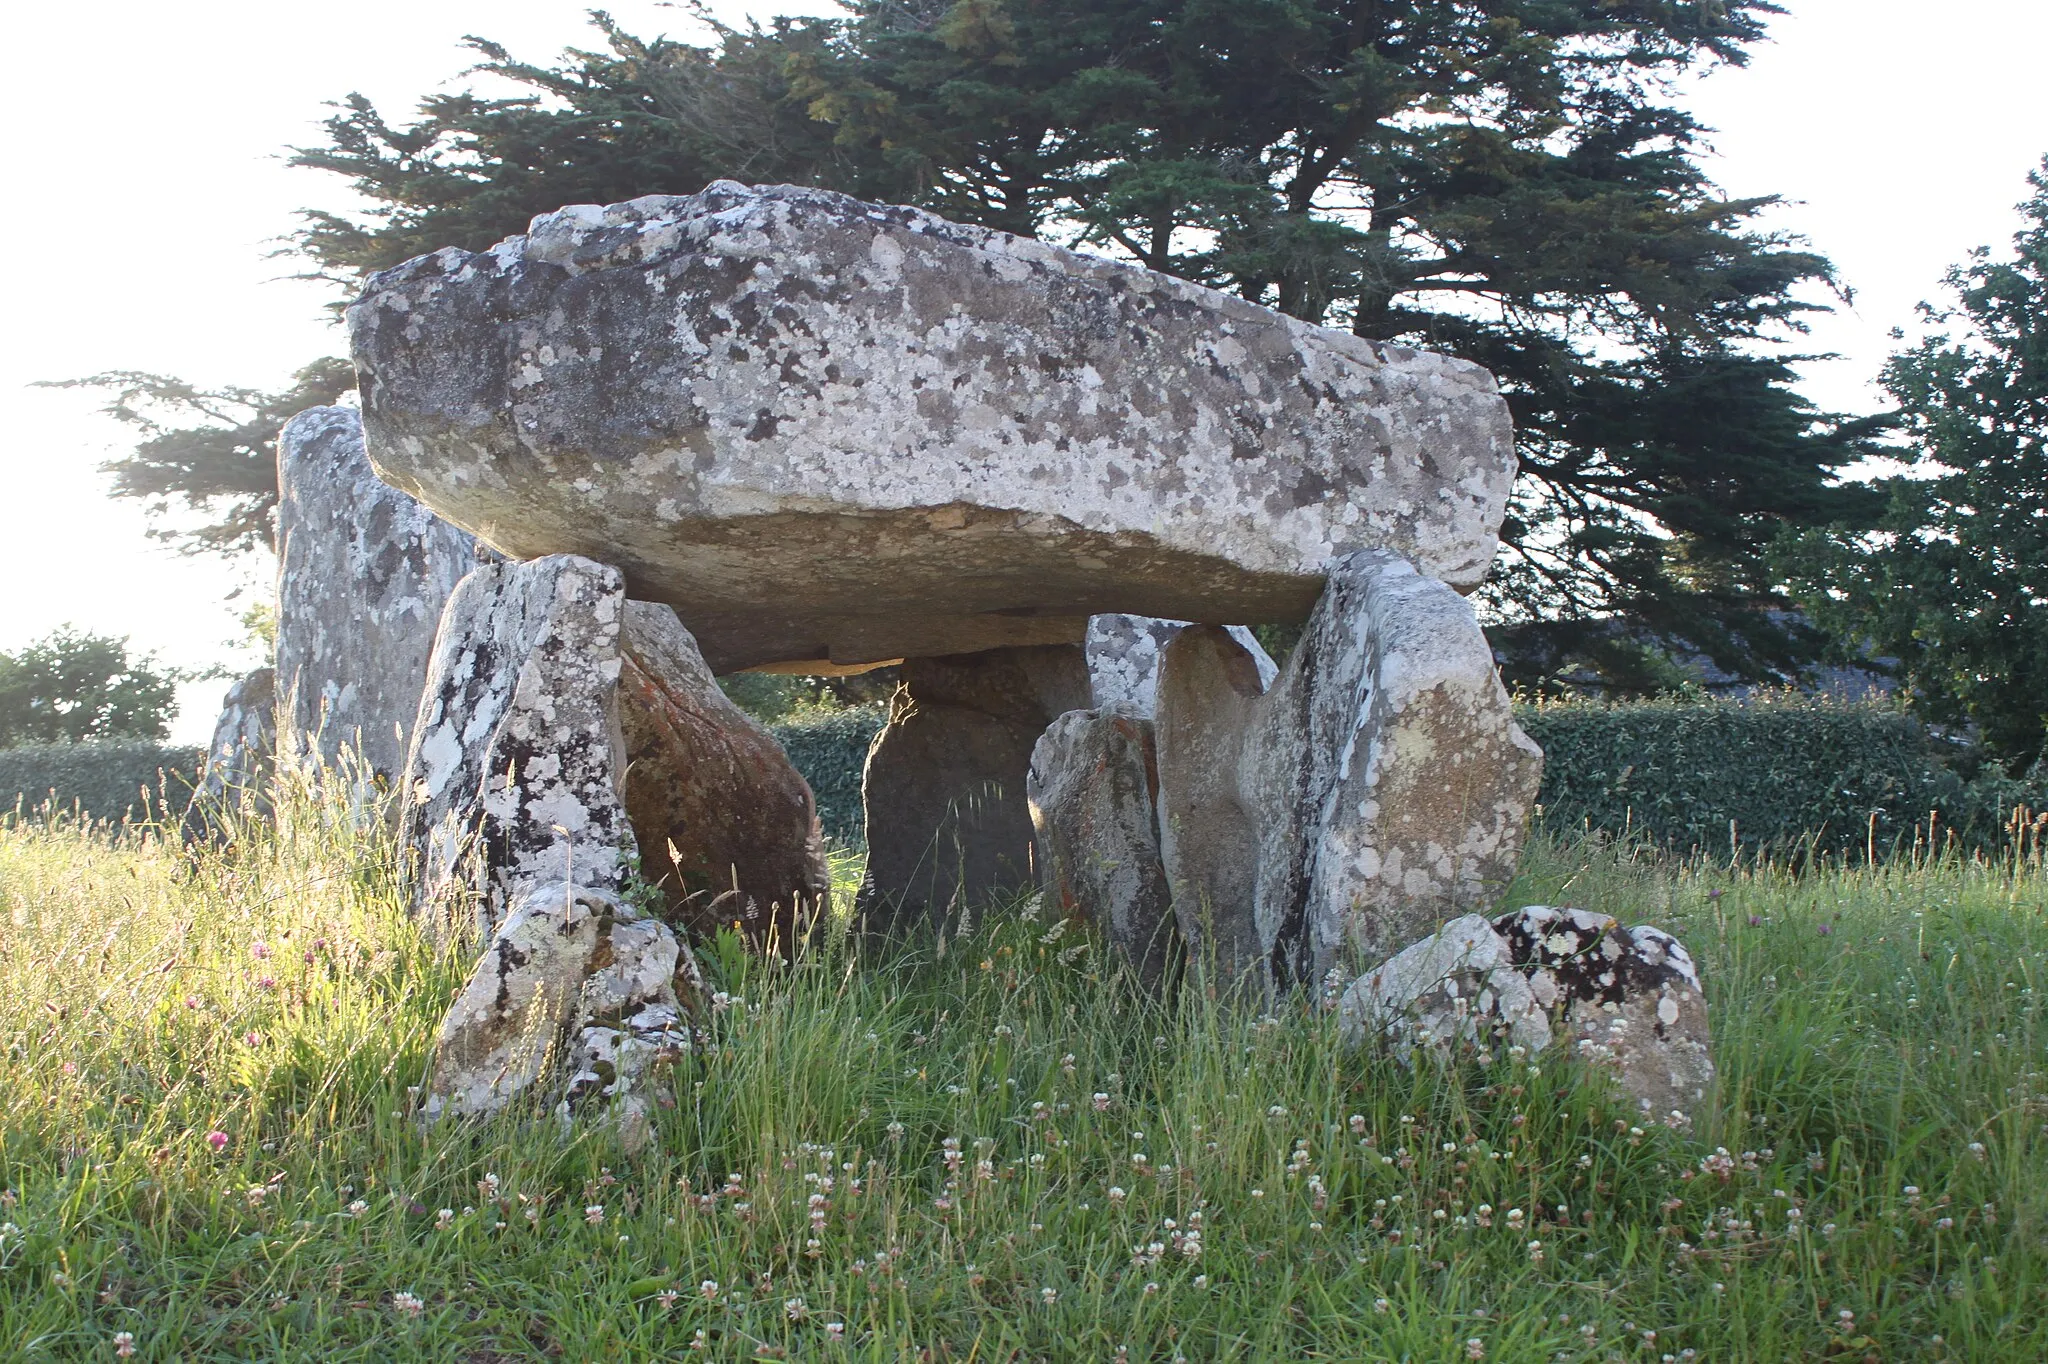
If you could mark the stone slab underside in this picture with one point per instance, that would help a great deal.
(826, 430)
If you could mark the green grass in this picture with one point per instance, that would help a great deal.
(1883, 1080)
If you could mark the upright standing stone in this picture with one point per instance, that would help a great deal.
(1093, 787)
(240, 759)
(363, 572)
(1209, 690)
(727, 827)
(1380, 787)
(1124, 653)
(948, 820)
(510, 778)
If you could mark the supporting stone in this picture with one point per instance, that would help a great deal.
(239, 761)
(363, 573)
(510, 778)
(948, 821)
(1379, 788)
(1124, 653)
(1093, 787)
(727, 828)
(1208, 696)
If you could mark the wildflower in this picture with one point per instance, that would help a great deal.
(835, 1331)
(667, 1298)
(1201, 1281)
(1976, 1149)
(266, 982)
(1382, 1305)
(217, 1140)
(1116, 1195)
(1150, 1289)
(1826, 929)
(1756, 921)
(256, 1194)
(251, 1039)
(358, 1208)
(1535, 1252)
(895, 1131)
(1049, 1295)
(124, 1344)
(1475, 1348)
(709, 1290)
(1102, 1103)
(1357, 1124)
(794, 1309)
(444, 1219)
(1276, 1111)
(260, 950)
(594, 1214)
(408, 1304)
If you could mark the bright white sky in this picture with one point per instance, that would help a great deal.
(146, 159)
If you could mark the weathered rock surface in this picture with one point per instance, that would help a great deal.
(1123, 658)
(1628, 1000)
(1380, 787)
(240, 760)
(1209, 695)
(511, 777)
(1459, 984)
(1093, 788)
(725, 824)
(571, 981)
(948, 820)
(753, 399)
(363, 572)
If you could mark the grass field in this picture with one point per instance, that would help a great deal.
(998, 1152)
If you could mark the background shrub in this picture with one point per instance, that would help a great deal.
(830, 748)
(102, 780)
(1783, 769)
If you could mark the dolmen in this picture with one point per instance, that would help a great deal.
(780, 429)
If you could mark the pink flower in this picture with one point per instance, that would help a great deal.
(266, 983)
(217, 1140)
(260, 950)
(251, 1039)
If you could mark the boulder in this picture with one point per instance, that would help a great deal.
(1380, 787)
(511, 776)
(1628, 1000)
(1123, 658)
(239, 761)
(363, 572)
(575, 981)
(1458, 985)
(725, 824)
(1092, 789)
(948, 819)
(829, 431)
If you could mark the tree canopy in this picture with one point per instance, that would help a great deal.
(1510, 181)
(72, 687)
(1955, 582)
(214, 451)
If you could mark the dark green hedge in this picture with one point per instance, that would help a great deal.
(102, 780)
(830, 748)
(1783, 769)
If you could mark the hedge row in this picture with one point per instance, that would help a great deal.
(104, 780)
(830, 748)
(1776, 771)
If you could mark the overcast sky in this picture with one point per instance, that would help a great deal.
(145, 165)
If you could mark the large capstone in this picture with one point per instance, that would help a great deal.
(240, 760)
(727, 827)
(363, 572)
(829, 431)
(1093, 790)
(948, 818)
(1380, 787)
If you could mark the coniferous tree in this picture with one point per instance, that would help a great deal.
(1505, 180)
